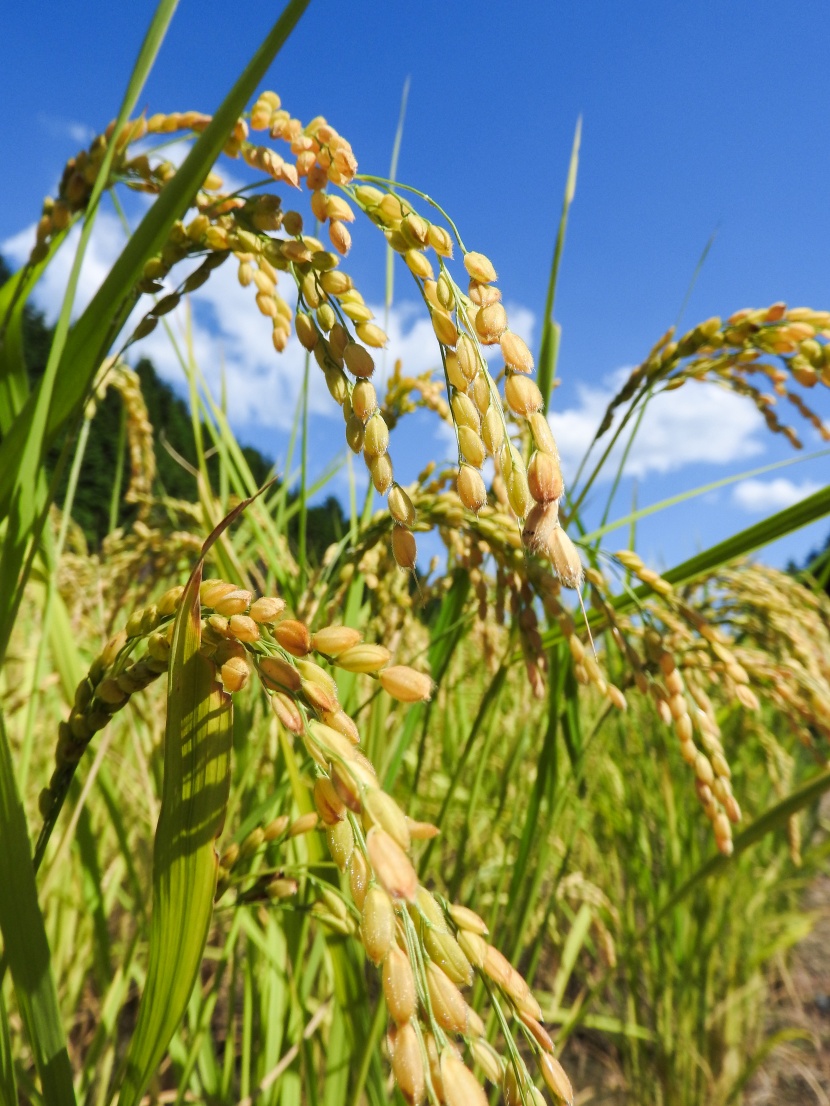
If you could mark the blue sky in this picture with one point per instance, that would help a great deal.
(697, 119)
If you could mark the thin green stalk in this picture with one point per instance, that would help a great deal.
(393, 172)
(551, 331)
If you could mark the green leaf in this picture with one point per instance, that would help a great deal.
(197, 749)
(26, 945)
(577, 935)
(551, 330)
(8, 1087)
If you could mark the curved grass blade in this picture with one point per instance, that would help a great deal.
(25, 496)
(197, 778)
(26, 946)
(197, 747)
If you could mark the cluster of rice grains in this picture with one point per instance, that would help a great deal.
(427, 950)
(331, 320)
(729, 353)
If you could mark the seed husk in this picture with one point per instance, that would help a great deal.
(393, 868)
(408, 1065)
(444, 327)
(468, 359)
(515, 352)
(492, 431)
(400, 506)
(333, 640)
(461, 1088)
(544, 477)
(266, 609)
(293, 636)
(376, 441)
(479, 267)
(380, 469)
(448, 1004)
(465, 412)
(540, 523)
(340, 839)
(399, 986)
(364, 399)
(522, 395)
(565, 558)
(364, 657)
(275, 672)
(380, 809)
(471, 446)
(471, 488)
(555, 1078)
(377, 924)
(491, 323)
(406, 684)
(482, 294)
(404, 548)
(358, 360)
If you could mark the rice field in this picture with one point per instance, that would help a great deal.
(287, 824)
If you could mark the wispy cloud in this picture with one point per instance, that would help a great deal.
(764, 496)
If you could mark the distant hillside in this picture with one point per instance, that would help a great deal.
(170, 417)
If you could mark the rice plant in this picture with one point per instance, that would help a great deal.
(291, 831)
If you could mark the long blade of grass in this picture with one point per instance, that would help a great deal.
(14, 381)
(8, 1084)
(551, 331)
(577, 936)
(26, 948)
(672, 501)
(195, 791)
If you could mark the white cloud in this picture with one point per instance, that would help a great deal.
(702, 424)
(763, 496)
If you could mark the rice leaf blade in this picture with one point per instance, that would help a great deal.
(551, 330)
(26, 947)
(195, 792)
(8, 1084)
